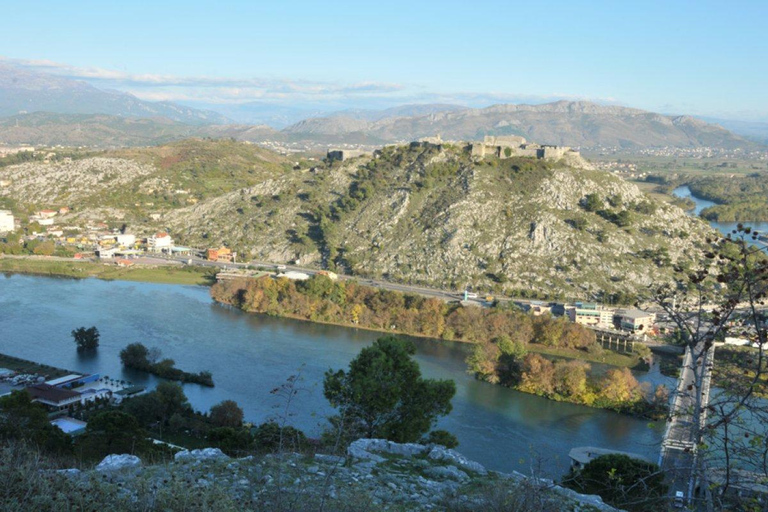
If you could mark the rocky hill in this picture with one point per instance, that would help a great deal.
(374, 475)
(566, 123)
(418, 213)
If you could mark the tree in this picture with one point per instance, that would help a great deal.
(723, 296)
(624, 482)
(135, 355)
(227, 414)
(172, 399)
(22, 419)
(383, 395)
(113, 432)
(86, 339)
(593, 202)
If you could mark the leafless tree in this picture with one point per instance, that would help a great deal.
(722, 430)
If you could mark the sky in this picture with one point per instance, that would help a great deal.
(683, 57)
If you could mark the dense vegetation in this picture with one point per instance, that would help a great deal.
(505, 360)
(319, 299)
(739, 199)
(139, 357)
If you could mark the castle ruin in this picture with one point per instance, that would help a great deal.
(508, 146)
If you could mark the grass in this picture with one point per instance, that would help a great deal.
(24, 366)
(166, 274)
(605, 357)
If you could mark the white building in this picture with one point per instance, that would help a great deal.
(126, 240)
(160, 242)
(6, 221)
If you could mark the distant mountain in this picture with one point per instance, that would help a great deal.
(109, 131)
(753, 130)
(566, 123)
(399, 111)
(260, 113)
(24, 91)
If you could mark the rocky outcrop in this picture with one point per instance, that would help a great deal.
(375, 475)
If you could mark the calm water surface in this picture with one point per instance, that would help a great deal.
(249, 355)
(723, 227)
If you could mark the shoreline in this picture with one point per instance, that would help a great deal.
(532, 347)
(43, 266)
(200, 276)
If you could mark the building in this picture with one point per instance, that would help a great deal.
(47, 214)
(330, 275)
(345, 154)
(634, 320)
(221, 254)
(160, 242)
(511, 145)
(295, 276)
(63, 210)
(7, 222)
(590, 315)
(53, 397)
(125, 240)
(124, 263)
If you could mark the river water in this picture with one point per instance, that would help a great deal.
(723, 227)
(250, 355)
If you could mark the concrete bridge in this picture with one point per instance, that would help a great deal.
(678, 457)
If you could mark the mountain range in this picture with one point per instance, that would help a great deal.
(43, 109)
(23, 91)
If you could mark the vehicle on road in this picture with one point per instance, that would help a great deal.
(679, 501)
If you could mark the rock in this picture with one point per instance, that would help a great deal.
(449, 472)
(118, 463)
(364, 448)
(200, 455)
(440, 453)
(330, 459)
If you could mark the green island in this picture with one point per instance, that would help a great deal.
(740, 199)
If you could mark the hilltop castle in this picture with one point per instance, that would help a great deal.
(511, 145)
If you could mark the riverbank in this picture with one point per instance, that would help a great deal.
(164, 274)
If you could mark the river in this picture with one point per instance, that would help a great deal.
(723, 227)
(250, 355)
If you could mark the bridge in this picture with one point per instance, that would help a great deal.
(678, 457)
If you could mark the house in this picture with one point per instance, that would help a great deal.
(64, 210)
(106, 252)
(124, 263)
(634, 320)
(220, 254)
(330, 275)
(7, 222)
(53, 397)
(160, 242)
(47, 214)
(43, 221)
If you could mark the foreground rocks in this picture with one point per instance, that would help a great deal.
(375, 475)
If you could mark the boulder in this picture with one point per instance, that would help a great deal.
(200, 455)
(454, 457)
(118, 462)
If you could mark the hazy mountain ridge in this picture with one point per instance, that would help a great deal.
(567, 123)
(24, 91)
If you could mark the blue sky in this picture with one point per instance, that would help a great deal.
(702, 57)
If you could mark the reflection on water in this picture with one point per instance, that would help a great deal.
(249, 355)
